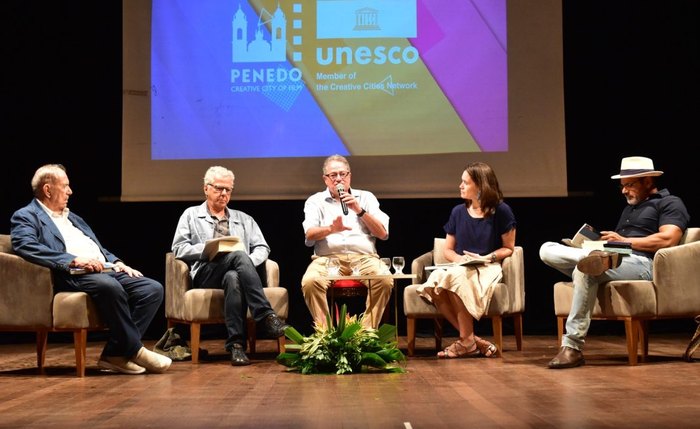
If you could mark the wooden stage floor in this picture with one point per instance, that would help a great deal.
(517, 391)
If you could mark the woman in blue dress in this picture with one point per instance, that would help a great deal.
(483, 227)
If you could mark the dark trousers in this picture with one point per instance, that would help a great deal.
(126, 305)
(242, 283)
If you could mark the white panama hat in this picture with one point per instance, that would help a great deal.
(636, 166)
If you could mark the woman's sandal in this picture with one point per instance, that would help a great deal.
(486, 348)
(458, 350)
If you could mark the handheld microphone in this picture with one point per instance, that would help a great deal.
(341, 190)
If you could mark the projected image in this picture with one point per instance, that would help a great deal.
(293, 78)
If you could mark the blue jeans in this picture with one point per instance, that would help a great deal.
(125, 304)
(235, 273)
(564, 259)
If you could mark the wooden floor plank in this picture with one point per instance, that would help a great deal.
(517, 391)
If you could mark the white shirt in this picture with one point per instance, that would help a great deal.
(77, 243)
(320, 209)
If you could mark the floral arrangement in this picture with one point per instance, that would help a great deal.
(346, 348)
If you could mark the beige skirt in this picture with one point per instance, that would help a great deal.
(474, 284)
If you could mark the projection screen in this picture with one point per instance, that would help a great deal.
(409, 91)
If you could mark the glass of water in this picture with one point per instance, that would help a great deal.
(333, 266)
(386, 266)
(398, 264)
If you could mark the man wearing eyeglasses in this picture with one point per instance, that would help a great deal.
(344, 222)
(239, 273)
(653, 219)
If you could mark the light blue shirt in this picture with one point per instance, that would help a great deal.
(320, 209)
(196, 226)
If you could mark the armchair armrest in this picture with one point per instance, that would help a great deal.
(418, 266)
(677, 279)
(177, 283)
(27, 293)
(514, 278)
(273, 273)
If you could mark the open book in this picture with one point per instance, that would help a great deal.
(468, 260)
(109, 267)
(585, 233)
(218, 245)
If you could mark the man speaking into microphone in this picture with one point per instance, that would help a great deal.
(343, 222)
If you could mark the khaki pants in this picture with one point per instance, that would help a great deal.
(314, 287)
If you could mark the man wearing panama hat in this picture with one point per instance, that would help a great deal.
(653, 219)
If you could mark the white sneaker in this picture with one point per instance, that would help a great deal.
(120, 364)
(153, 362)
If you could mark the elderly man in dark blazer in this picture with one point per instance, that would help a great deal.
(46, 233)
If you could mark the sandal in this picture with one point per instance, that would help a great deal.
(486, 348)
(458, 350)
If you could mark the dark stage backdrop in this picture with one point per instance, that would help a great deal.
(630, 76)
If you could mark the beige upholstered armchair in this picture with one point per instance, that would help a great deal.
(508, 298)
(673, 293)
(28, 303)
(195, 307)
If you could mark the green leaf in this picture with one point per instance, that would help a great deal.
(293, 347)
(391, 355)
(350, 330)
(293, 335)
(287, 359)
(387, 333)
(373, 359)
(343, 314)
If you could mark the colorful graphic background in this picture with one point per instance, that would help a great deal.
(453, 99)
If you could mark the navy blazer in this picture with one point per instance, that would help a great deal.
(36, 238)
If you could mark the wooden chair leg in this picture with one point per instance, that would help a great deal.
(438, 333)
(80, 345)
(518, 330)
(195, 331)
(643, 327)
(411, 335)
(281, 341)
(632, 336)
(497, 327)
(252, 335)
(560, 328)
(41, 340)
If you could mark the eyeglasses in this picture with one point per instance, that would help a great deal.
(220, 189)
(338, 175)
(628, 185)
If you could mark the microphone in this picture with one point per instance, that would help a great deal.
(341, 190)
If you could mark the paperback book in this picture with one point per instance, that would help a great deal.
(468, 260)
(221, 245)
(585, 233)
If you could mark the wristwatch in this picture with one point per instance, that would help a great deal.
(493, 257)
(361, 213)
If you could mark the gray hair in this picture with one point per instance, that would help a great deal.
(332, 158)
(46, 174)
(217, 171)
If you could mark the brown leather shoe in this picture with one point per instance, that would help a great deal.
(597, 262)
(567, 358)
